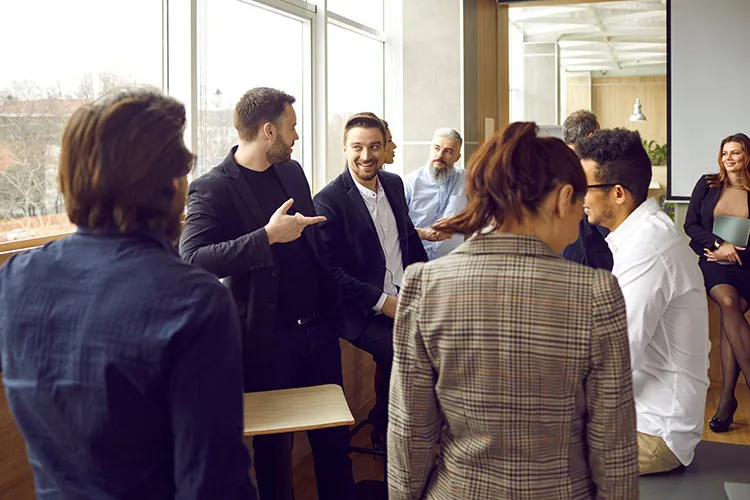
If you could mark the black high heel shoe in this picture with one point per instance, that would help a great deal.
(718, 425)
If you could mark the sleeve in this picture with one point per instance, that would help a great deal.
(611, 428)
(409, 181)
(414, 419)
(379, 306)
(645, 287)
(202, 243)
(353, 291)
(205, 397)
(693, 225)
(417, 253)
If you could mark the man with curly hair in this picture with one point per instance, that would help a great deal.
(664, 298)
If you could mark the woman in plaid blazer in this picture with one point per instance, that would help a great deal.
(512, 360)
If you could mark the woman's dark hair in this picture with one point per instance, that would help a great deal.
(721, 178)
(123, 160)
(512, 172)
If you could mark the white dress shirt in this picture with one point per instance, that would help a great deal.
(667, 327)
(430, 200)
(385, 225)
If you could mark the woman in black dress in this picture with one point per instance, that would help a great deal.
(726, 267)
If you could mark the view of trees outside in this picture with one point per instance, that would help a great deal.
(84, 53)
(44, 79)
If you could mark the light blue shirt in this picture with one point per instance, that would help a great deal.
(429, 201)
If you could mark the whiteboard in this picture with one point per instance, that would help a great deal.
(709, 85)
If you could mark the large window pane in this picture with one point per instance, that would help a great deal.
(367, 12)
(355, 84)
(230, 63)
(55, 55)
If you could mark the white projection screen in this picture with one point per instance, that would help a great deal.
(709, 85)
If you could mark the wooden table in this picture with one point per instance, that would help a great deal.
(291, 410)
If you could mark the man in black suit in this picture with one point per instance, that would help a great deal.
(245, 218)
(369, 241)
(590, 248)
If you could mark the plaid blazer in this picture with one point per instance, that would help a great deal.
(516, 363)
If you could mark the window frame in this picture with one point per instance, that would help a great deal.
(314, 100)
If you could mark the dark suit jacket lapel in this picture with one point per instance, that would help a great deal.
(242, 188)
(391, 192)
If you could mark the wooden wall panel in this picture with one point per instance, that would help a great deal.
(16, 479)
(487, 65)
(613, 97)
(577, 94)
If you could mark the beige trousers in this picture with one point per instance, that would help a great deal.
(654, 455)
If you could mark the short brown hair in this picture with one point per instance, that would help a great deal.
(121, 155)
(721, 179)
(257, 107)
(364, 119)
(512, 171)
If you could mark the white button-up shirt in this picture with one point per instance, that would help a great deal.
(385, 225)
(667, 326)
(430, 200)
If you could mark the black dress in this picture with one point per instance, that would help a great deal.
(699, 222)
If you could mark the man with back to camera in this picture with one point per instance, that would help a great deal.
(664, 297)
(436, 190)
(121, 362)
(369, 241)
(244, 222)
(590, 249)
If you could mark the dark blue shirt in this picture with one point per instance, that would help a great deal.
(590, 248)
(122, 369)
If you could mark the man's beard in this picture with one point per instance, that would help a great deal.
(279, 152)
(441, 174)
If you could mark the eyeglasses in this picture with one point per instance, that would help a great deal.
(593, 186)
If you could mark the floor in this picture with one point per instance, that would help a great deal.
(15, 478)
(367, 467)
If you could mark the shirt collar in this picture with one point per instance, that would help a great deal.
(506, 243)
(630, 225)
(365, 191)
(155, 235)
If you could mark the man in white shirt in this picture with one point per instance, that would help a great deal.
(664, 297)
(369, 241)
(437, 190)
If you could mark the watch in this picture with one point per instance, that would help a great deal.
(717, 243)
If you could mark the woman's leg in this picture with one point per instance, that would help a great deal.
(735, 343)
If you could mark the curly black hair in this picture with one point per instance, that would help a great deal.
(621, 159)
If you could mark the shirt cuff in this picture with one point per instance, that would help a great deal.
(378, 307)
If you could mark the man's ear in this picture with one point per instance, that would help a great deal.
(621, 194)
(457, 158)
(269, 130)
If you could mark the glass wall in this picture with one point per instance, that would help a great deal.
(57, 55)
(355, 83)
(206, 53)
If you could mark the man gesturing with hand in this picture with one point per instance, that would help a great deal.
(251, 220)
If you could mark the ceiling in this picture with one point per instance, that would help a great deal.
(605, 38)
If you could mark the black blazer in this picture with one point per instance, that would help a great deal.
(224, 235)
(590, 249)
(699, 221)
(353, 248)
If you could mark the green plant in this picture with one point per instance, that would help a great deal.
(657, 153)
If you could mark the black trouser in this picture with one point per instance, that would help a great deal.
(302, 356)
(377, 340)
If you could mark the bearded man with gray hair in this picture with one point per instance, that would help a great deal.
(436, 190)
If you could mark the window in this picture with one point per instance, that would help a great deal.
(355, 84)
(244, 46)
(367, 12)
(45, 78)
